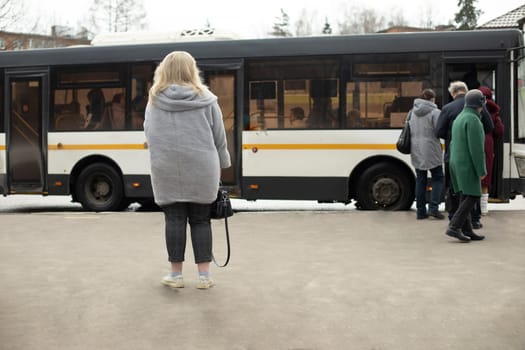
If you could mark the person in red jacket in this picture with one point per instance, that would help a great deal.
(481, 208)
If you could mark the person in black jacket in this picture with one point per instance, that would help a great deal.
(449, 112)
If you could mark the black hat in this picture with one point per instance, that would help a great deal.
(474, 99)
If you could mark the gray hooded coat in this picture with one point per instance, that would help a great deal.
(425, 148)
(187, 144)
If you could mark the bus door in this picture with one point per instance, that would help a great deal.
(484, 72)
(25, 108)
(224, 79)
(517, 136)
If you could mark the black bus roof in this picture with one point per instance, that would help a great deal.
(449, 41)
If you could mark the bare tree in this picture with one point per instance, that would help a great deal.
(397, 19)
(11, 11)
(303, 26)
(359, 21)
(117, 15)
(426, 12)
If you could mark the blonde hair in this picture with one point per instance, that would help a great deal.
(178, 67)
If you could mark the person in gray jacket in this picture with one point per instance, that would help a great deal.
(426, 154)
(187, 143)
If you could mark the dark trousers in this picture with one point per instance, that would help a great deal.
(452, 198)
(177, 216)
(476, 211)
(461, 219)
(421, 190)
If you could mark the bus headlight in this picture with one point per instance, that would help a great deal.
(520, 164)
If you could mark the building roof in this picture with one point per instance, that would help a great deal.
(510, 19)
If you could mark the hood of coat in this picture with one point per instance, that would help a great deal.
(492, 107)
(423, 107)
(179, 98)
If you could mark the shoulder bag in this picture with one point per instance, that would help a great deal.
(221, 208)
(403, 142)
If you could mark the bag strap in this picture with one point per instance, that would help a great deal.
(227, 244)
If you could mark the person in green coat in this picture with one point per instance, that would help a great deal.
(467, 164)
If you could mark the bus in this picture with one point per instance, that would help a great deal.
(307, 118)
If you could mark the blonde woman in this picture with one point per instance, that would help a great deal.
(187, 143)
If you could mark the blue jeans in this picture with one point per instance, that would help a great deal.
(177, 216)
(421, 190)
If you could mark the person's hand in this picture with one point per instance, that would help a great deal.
(87, 120)
(482, 177)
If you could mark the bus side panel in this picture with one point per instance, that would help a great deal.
(296, 188)
(126, 151)
(279, 164)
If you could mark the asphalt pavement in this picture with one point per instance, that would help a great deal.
(297, 280)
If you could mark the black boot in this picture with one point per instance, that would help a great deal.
(473, 236)
(456, 233)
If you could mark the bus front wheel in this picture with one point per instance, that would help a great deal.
(384, 186)
(99, 188)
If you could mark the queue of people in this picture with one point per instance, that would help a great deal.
(183, 126)
(469, 125)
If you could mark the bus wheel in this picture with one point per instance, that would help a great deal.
(384, 186)
(99, 188)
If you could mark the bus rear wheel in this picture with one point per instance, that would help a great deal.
(384, 186)
(99, 188)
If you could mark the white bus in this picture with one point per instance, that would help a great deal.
(312, 118)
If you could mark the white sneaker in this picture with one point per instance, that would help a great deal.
(484, 204)
(204, 283)
(173, 282)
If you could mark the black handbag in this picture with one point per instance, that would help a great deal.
(221, 208)
(403, 143)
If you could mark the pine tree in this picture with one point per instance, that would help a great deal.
(327, 29)
(281, 26)
(467, 17)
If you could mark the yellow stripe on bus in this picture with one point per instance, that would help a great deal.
(268, 146)
(312, 146)
(98, 147)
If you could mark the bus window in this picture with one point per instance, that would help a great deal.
(223, 86)
(67, 111)
(263, 105)
(89, 98)
(296, 103)
(381, 94)
(89, 109)
(294, 93)
(311, 103)
(141, 81)
(324, 102)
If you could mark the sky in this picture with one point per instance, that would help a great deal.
(245, 18)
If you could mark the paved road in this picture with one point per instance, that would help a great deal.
(339, 279)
